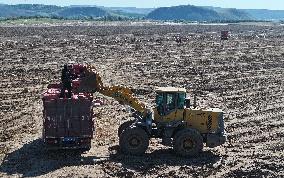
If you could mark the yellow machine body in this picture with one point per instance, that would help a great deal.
(170, 114)
(205, 121)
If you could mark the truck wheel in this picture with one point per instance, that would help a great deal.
(188, 143)
(123, 126)
(134, 141)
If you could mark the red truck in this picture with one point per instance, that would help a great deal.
(67, 122)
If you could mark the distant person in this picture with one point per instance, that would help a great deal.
(66, 82)
(178, 40)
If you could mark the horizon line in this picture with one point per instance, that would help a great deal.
(136, 7)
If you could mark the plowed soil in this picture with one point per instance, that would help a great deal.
(243, 76)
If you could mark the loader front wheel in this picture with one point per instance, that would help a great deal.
(188, 143)
(123, 126)
(134, 141)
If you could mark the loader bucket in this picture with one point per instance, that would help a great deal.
(89, 80)
(88, 83)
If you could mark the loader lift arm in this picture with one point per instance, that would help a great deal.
(91, 82)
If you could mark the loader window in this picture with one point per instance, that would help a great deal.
(160, 103)
(181, 101)
(170, 104)
(167, 102)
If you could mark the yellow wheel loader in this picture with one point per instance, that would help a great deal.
(180, 125)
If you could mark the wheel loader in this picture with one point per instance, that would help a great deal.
(174, 120)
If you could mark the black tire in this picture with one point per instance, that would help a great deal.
(134, 141)
(86, 148)
(188, 143)
(123, 126)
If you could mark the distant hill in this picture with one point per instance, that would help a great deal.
(81, 12)
(264, 14)
(232, 13)
(28, 10)
(188, 12)
(184, 12)
(195, 13)
(131, 10)
(70, 12)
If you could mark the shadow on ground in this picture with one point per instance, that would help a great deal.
(119, 165)
(34, 160)
(161, 157)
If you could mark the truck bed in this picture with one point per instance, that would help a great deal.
(67, 122)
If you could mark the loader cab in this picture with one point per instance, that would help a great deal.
(170, 99)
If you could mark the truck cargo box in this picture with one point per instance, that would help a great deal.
(67, 122)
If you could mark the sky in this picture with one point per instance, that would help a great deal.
(241, 4)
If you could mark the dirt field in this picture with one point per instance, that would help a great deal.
(242, 76)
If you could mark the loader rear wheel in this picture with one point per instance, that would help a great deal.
(188, 143)
(123, 126)
(134, 141)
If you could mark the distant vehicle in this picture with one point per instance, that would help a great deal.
(224, 35)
